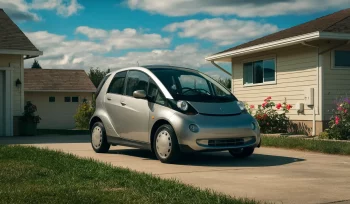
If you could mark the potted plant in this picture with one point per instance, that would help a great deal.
(29, 119)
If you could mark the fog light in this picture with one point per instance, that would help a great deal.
(253, 126)
(194, 128)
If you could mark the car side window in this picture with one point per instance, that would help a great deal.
(136, 80)
(154, 93)
(117, 84)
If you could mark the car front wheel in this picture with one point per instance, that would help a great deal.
(242, 152)
(165, 144)
(99, 139)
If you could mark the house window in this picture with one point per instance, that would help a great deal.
(75, 99)
(52, 99)
(259, 72)
(67, 99)
(342, 59)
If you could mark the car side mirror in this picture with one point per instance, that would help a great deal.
(141, 94)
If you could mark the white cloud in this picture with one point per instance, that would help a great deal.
(91, 32)
(63, 7)
(243, 8)
(125, 39)
(220, 31)
(18, 10)
(74, 54)
(21, 10)
(130, 38)
(62, 53)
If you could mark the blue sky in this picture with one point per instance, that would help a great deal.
(78, 34)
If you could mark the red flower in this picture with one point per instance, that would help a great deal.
(251, 106)
(278, 105)
(339, 108)
(267, 99)
(337, 119)
(264, 104)
(289, 107)
(345, 110)
(265, 116)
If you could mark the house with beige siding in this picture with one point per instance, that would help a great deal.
(15, 47)
(57, 94)
(308, 65)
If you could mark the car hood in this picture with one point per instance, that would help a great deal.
(223, 108)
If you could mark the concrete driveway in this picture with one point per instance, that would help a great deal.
(277, 175)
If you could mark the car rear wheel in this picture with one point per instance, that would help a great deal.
(99, 139)
(165, 144)
(242, 153)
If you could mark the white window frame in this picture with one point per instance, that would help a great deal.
(260, 58)
(333, 60)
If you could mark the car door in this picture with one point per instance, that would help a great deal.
(112, 101)
(135, 112)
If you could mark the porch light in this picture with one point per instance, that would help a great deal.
(18, 83)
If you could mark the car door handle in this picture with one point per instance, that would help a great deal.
(109, 98)
(123, 103)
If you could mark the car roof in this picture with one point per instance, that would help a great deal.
(155, 67)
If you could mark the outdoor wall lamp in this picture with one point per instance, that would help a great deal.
(18, 83)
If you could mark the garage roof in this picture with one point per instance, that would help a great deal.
(13, 40)
(57, 80)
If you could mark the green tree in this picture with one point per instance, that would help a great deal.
(225, 82)
(36, 65)
(96, 75)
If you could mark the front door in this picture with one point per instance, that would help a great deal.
(135, 112)
(2, 103)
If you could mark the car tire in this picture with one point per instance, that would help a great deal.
(99, 138)
(243, 153)
(165, 144)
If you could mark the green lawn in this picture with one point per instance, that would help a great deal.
(31, 175)
(328, 147)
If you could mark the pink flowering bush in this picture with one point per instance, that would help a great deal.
(270, 121)
(339, 125)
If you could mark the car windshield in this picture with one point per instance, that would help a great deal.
(192, 86)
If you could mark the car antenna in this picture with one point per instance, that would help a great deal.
(138, 63)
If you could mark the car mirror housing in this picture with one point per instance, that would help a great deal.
(141, 94)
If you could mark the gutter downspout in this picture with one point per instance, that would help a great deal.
(319, 69)
(222, 69)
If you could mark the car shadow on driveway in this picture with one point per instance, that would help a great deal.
(216, 159)
(44, 139)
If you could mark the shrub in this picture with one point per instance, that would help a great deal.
(83, 115)
(270, 121)
(339, 125)
(29, 114)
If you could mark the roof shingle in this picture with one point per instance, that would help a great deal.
(57, 80)
(338, 22)
(11, 37)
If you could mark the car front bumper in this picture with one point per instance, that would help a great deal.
(216, 133)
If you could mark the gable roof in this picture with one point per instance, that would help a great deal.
(338, 22)
(57, 80)
(13, 39)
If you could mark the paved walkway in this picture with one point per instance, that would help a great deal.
(280, 176)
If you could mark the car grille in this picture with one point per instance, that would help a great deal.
(230, 142)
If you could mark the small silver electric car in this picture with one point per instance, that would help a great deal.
(170, 111)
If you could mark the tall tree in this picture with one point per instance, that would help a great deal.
(36, 65)
(96, 75)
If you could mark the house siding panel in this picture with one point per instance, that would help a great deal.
(296, 68)
(336, 82)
